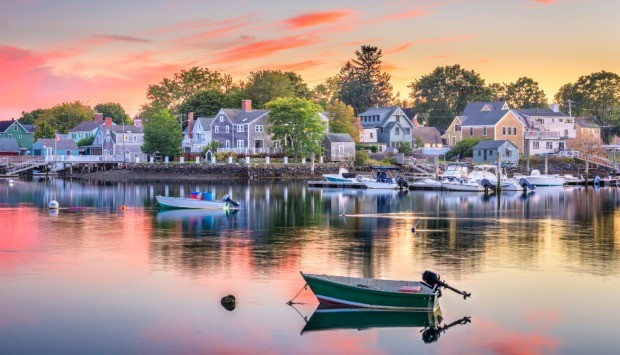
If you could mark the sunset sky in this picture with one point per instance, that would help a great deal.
(55, 51)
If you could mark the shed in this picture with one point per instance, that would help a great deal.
(339, 147)
(62, 146)
(9, 147)
(487, 151)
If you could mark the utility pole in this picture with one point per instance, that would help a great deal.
(570, 106)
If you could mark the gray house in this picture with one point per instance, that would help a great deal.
(487, 151)
(387, 125)
(241, 130)
(339, 147)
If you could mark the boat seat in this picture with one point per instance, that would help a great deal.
(411, 289)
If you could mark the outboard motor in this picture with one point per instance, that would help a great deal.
(432, 334)
(488, 185)
(597, 180)
(434, 281)
(402, 183)
(230, 201)
(526, 184)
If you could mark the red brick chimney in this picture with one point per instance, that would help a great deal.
(98, 117)
(108, 122)
(415, 121)
(246, 105)
(190, 124)
(137, 122)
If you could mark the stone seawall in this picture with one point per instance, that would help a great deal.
(144, 171)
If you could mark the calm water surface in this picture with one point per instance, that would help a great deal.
(544, 268)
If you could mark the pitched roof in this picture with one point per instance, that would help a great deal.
(428, 135)
(128, 129)
(585, 122)
(491, 144)
(474, 107)
(339, 137)
(86, 126)
(206, 122)
(239, 116)
(4, 125)
(540, 112)
(485, 118)
(62, 143)
(28, 127)
(9, 145)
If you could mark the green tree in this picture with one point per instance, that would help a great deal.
(444, 93)
(233, 97)
(525, 93)
(61, 118)
(463, 148)
(363, 85)
(171, 93)
(114, 110)
(296, 123)
(326, 92)
(498, 91)
(43, 130)
(299, 86)
(342, 120)
(203, 103)
(597, 94)
(267, 85)
(162, 133)
(86, 141)
(30, 117)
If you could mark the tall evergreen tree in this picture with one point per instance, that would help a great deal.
(363, 85)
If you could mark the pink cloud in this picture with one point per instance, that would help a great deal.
(316, 18)
(398, 49)
(295, 67)
(440, 56)
(122, 38)
(544, 1)
(265, 48)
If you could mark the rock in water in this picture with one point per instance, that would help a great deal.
(228, 302)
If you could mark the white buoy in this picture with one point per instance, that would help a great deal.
(53, 205)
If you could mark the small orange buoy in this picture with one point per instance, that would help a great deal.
(122, 207)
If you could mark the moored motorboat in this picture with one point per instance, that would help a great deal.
(378, 293)
(539, 179)
(197, 203)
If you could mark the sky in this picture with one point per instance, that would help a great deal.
(55, 51)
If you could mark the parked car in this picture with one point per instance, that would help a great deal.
(568, 153)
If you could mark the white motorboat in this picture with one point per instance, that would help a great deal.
(484, 177)
(384, 179)
(345, 176)
(539, 179)
(197, 203)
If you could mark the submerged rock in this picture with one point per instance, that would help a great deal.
(228, 302)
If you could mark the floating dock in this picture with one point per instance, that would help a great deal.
(337, 184)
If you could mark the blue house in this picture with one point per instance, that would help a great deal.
(388, 126)
(62, 146)
(487, 151)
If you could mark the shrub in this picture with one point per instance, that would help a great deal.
(361, 158)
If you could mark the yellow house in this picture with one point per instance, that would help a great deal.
(454, 134)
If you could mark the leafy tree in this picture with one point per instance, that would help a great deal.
(342, 120)
(30, 117)
(267, 85)
(444, 93)
(297, 124)
(463, 148)
(597, 94)
(363, 85)
(299, 86)
(114, 110)
(86, 141)
(162, 133)
(525, 93)
(170, 93)
(326, 92)
(417, 142)
(203, 103)
(233, 97)
(61, 118)
(498, 91)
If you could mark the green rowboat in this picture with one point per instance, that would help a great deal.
(376, 293)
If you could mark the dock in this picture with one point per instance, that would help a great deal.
(337, 184)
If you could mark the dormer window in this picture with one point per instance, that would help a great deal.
(221, 118)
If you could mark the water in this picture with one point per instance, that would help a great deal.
(543, 269)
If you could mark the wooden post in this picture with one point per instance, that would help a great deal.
(312, 164)
(499, 172)
(436, 166)
(587, 168)
(546, 164)
(527, 164)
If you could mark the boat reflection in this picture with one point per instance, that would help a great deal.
(183, 215)
(330, 318)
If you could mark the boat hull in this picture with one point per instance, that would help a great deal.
(331, 290)
(464, 186)
(180, 202)
(545, 180)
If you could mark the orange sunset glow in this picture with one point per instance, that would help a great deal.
(59, 51)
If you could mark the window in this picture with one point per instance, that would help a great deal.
(514, 131)
(397, 131)
(15, 128)
(484, 131)
(216, 129)
(490, 152)
(258, 143)
(549, 145)
(10, 136)
(471, 131)
(20, 136)
(227, 129)
(258, 128)
(125, 138)
(372, 135)
(536, 145)
(565, 133)
(239, 128)
(227, 143)
(240, 143)
(504, 131)
(480, 153)
(508, 153)
(457, 128)
(221, 118)
(340, 150)
(135, 138)
(407, 130)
